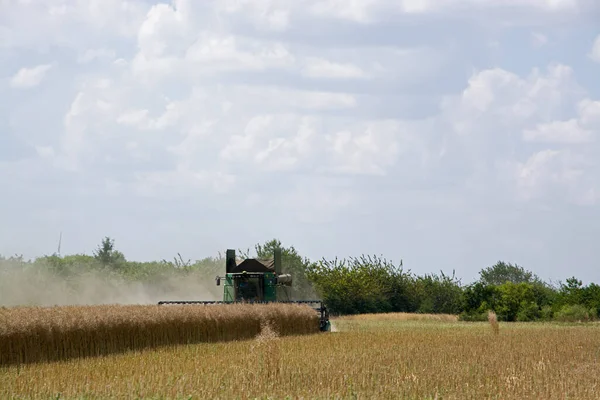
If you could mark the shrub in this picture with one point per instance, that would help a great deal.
(574, 313)
(546, 313)
(529, 311)
(473, 316)
(439, 294)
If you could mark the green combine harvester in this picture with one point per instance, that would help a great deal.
(254, 280)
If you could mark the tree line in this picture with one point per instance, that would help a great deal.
(365, 284)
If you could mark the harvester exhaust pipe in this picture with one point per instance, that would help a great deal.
(277, 260)
(230, 261)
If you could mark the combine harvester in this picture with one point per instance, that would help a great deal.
(254, 280)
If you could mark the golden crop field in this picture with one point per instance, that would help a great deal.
(33, 334)
(394, 356)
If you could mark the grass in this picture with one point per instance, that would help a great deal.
(388, 356)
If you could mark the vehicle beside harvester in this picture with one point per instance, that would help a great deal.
(254, 280)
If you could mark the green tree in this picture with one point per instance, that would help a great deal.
(438, 294)
(503, 272)
(516, 298)
(107, 255)
(591, 297)
(362, 285)
(572, 291)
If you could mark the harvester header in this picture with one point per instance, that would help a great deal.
(254, 280)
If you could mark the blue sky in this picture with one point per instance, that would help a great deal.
(450, 134)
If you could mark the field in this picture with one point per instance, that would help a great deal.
(369, 356)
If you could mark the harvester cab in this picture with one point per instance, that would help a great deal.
(254, 280)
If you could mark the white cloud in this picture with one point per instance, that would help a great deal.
(589, 113)
(559, 132)
(496, 96)
(354, 10)
(531, 173)
(544, 171)
(319, 68)
(140, 119)
(243, 145)
(62, 23)
(266, 15)
(370, 151)
(500, 111)
(28, 77)
(208, 54)
(276, 143)
(229, 52)
(135, 118)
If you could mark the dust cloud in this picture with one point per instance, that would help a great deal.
(38, 287)
(334, 328)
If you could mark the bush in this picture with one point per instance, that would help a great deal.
(513, 297)
(546, 313)
(574, 313)
(360, 285)
(438, 294)
(529, 311)
(473, 316)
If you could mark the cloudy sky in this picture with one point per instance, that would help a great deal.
(448, 133)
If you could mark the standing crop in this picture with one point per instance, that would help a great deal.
(34, 334)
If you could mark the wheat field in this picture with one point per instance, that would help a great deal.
(384, 357)
(34, 334)
(399, 316)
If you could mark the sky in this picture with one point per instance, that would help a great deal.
(448, 134)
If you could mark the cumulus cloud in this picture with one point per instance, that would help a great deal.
(498, 93)
(545, 170)
(28, 77)
(216, 123)
(499, 112)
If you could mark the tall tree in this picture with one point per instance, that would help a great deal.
(503, 272)
(106, 253)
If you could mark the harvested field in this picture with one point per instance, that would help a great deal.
(36, 334)
(400, 316)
